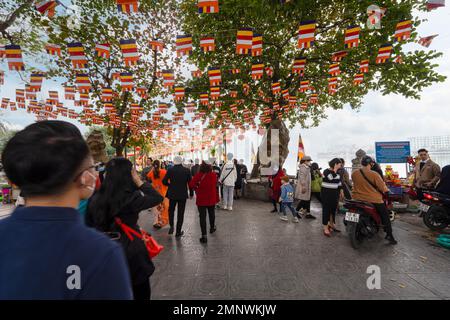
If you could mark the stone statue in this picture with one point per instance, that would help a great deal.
(356, 163)
(97, 146)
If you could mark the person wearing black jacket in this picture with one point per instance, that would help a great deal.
(194, 170)
(177, 179)
(122, 196)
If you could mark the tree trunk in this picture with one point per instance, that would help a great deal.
(4, 25)
(266, 142)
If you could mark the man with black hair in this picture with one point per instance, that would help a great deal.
(426, 174)
(368, 186)
(46, 251)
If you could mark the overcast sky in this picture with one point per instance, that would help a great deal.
(382, 118)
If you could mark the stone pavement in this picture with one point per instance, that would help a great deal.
(254, 255)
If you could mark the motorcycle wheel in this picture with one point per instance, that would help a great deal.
(355, 235)
(432, 218)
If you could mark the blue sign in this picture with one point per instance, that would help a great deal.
(392, 152)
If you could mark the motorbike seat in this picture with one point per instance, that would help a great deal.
(358, 203)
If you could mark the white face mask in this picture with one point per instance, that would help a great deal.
(92, 186)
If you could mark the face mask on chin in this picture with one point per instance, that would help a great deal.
(91, 187)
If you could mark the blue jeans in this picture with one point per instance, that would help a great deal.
(289, 205)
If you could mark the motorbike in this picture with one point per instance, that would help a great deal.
(437, 216)
(362, 221)
(424, 202)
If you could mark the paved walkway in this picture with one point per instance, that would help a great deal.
(254, 255)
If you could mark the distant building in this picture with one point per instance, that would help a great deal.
(437, 146)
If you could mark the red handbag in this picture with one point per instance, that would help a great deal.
(153, 247)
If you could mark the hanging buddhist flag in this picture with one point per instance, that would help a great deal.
(398, 59)
(358, 79)
(196, 74)
(276, 88)
(103, 50)
(244, 41)
(46, 8)
(127, 6)
(12, 106)
(84, 99)
(306, 34)
(304, 86)
(257, 71)
(204, 99)
(293, 101)
(157, 45)
(269, 71)
(53, 49)
(364, 66)
(83, 82)
(179, 93)
(2, 51)
(384, 53)
(334, 69)
(338, 56)
(29, 94)
(53, 96)
(5, 102)
(246, 89)
(233, 94)
(352, 37)
(2, 78)
(142, 92)
(20, 95)
(136, 109)
(332, 82)
(426, 41)
(215, 77)
(299, 66)
(76, 54)
(208, 6)
(107, 94)
(235, 71)
(434, 4)
(215, 93)
(126, 81)
(257, 45)
(14, 57)
(314, 98)
(403, 30)
(36, 81)
(129, 51)
(285, 94)
(168, 78)
(207, 44)
(69, 93)
(184, 45)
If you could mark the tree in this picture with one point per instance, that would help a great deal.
(22, 24)
(99, 22)
(279, 24)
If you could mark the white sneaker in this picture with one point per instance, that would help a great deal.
(230, 209)
(283, 218)
(225, 208)
(295, 220)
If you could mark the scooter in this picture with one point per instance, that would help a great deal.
(362, 221)
(437, 216)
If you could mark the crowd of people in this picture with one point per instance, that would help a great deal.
(74, 208)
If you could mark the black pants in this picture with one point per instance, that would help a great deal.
(180, 217)
(142, 291)
(274, 202)
(212, 217)
(385, 219)
(304, 204)
(330, 198)
(317, 195)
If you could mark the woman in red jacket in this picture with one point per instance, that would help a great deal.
(275, 182)
(204, 184)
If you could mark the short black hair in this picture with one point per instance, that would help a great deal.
(44, 157)
(422, 150)
(334, 162)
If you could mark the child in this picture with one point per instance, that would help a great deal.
(287, 198)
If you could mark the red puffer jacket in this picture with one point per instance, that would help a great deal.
(205, 187)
